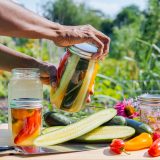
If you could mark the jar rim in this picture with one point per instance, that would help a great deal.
(26, 72)
(23, 102)
(150, 98)
(84, 50)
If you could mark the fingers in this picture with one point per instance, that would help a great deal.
(48, 74)
(99, 39)
(53, 76)
(99, 44)
(71, 35)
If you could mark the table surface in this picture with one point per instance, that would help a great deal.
(99, 154)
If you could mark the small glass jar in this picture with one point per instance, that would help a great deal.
(150, 110)
(76, 75)
(25, 94)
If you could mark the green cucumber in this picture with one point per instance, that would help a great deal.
(117, 120)
(76, 129)
(107, 134)
(139, 126)
(55, 119)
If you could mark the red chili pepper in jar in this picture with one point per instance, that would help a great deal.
(62, 65)
(154, 150)
(31, 125)
(117, 146)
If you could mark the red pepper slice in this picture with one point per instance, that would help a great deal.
(62, 65)
(32, 123)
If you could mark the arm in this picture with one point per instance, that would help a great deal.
(10, 59)
(19, 22)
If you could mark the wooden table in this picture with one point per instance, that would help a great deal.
(99, 154)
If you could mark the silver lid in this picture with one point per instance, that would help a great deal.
(153, 98)
(84, 50)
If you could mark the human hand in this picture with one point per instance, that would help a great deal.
(70, 35)
(48, 73)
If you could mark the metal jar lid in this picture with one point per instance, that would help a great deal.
(149, 99)
(84, 50)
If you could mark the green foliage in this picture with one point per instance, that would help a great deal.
(132, 67)
(67, 12)
(151, 24)
(128, 16)
(107, 26)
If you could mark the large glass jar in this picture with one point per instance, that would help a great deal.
(150, 110)
(76, 75)
(25, 96)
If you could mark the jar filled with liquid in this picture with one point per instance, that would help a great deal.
(25, 96)
(76, 74)
(150, 110)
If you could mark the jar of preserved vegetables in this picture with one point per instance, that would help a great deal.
(25, 96)
(76, 75)
(150, 110)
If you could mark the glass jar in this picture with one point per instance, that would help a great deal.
(76, 75)
(150, 110)
(25, 94)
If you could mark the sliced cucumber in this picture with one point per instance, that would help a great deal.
(57, 97)
(100, 134)
(51, 129)
(76, 129)
(78, 103)
(107, 134)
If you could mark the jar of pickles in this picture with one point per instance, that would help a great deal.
(25, 105)
(76, 75)
(150, 110)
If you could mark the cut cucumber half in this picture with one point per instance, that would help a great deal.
(101, 134)
(76, 129)
(107, 134)
(51, 129)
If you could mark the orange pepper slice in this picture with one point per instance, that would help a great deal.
(21, 114)
(90, 88)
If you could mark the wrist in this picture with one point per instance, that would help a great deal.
(51, 30)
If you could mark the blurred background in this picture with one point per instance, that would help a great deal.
(132, 67)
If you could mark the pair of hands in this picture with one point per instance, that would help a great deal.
(70, 35)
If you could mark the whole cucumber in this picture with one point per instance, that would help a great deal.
(117, 120)
(139, 126)
(54, 119)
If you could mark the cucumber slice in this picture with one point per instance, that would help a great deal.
(107, 134)
(57, 97)
(101, 134)
(51, 129)
(78, 103)
(76, 129)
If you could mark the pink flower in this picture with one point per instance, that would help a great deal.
(126, 109)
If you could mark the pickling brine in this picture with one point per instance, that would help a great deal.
(25, 105)
(76, 75)
(25, 123)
